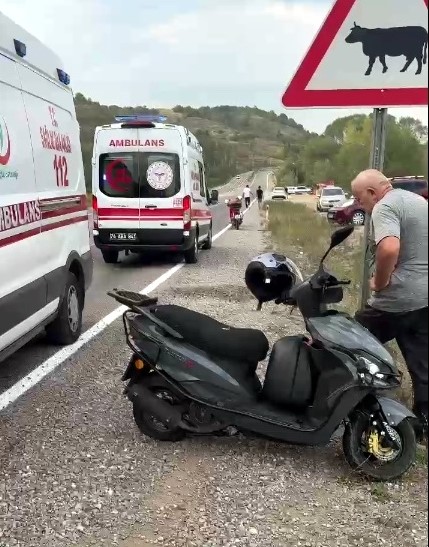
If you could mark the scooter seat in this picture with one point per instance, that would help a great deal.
(204, 332)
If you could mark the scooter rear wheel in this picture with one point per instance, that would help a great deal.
(390, 463)
(150, 426)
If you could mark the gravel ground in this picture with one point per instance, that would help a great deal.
(76, 472)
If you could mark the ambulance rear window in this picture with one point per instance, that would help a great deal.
(139, 175)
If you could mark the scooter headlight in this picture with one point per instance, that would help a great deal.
(371, 373)
(370, 366)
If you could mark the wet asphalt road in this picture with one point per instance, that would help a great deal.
(132, 273)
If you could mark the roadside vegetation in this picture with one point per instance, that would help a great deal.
(303, 235)
(344, 149)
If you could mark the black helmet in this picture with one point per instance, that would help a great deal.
(271, 276)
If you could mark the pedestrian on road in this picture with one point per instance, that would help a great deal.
(287, 192)
(260, 196)
(247, 193)
(398, 306)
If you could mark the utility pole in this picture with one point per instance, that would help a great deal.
(378, 147)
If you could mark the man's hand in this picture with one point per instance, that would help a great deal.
(386, 258)
(376, 287)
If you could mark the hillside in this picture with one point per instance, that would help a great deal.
(235, 139)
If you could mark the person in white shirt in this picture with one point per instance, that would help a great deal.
(247, 193)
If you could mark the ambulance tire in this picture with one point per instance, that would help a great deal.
(67, 326)
(208, 243)
(191, 255)
(110, 257)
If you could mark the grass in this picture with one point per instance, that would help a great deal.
(380, 493)
(422, 456)
(303, 235)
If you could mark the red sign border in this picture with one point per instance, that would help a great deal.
(297, 96)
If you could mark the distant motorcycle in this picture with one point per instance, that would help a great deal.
(235, 214)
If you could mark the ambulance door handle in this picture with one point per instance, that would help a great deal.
(151, 206)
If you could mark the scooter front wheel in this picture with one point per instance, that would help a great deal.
(369, 452)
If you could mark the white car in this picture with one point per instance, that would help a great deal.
(331, 197)
(291, 190)
(302, 190)
(45, 257)
(279, 193)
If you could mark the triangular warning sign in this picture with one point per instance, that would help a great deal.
(368, 53)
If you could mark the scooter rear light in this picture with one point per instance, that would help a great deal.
(95, 212)
(187, 210)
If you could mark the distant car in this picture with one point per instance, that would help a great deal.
(291, 190)
(418, 185)
(279, 193)
(331, 197)
(302, 190)
(352, 213)
(349, 213)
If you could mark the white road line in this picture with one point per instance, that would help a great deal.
(34, 377)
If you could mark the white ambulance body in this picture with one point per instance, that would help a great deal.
(149, 189)
(45, 258)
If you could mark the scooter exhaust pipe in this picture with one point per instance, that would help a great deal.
(169, 415)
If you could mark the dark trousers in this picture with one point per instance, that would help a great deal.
(247, 202)
(410, 329)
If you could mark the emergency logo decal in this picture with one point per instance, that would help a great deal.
(160, 175)
(4, 142)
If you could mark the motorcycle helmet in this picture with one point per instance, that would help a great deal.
(271, 276)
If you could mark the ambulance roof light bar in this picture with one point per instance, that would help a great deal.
(140, 119)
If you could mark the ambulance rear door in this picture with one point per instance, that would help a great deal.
(116, 184)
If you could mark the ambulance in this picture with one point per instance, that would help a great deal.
(45, 258)
(149, 189)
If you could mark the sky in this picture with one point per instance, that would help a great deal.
(161, 53)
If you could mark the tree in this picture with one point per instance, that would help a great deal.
(416, 127)
(344, 150)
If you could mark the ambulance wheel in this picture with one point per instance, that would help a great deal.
(191, 255)
(67, 326)
(208, 243)
(110, 257)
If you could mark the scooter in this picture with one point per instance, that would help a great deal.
(236, 216)
(191, 375)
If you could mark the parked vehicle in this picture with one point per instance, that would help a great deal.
(331, 197)
(279, 193)
(418, 185)
(149, 189)
(352, 213)
(190, 374)
(291, 190)
(45, 259)
(349, 213)
(302, 190)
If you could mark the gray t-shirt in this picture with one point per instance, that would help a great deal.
(404, 215)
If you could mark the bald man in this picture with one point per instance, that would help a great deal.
(398, 306)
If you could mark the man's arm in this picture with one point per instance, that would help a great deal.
(387, 234)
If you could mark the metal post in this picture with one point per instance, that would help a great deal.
(376, 162)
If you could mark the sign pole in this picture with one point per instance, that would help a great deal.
(376, 162)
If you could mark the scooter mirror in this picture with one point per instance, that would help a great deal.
(337, 238)
(341, 235)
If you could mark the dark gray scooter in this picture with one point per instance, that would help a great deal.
(190, 374)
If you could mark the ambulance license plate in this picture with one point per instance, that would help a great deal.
(130, 236)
